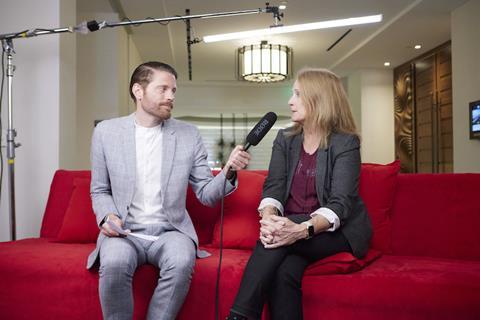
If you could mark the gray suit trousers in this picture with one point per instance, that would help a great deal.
(173, 253)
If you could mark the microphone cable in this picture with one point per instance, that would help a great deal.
(253, 138)
(220, 255)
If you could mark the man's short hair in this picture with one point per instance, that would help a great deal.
(143, 74)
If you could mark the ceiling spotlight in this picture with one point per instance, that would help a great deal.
(418, 46)
(386, 64)
(283, 5)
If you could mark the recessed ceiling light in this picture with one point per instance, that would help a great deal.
(283, 5)
(386, 64)
(418, 46)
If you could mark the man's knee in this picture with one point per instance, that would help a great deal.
(117, 263)
(180, 263)
(116, 267)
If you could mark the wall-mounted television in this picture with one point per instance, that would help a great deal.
(474, 123)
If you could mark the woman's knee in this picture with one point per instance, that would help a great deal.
(284, 278)
(288, 276)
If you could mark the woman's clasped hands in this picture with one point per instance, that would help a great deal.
(276, 231)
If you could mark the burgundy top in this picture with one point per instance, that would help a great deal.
(303, 195)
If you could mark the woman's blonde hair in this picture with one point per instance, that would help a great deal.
(326, 104)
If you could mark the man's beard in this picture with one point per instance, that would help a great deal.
(162, 112)
(168, 113)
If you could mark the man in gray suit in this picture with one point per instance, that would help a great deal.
(141, 166)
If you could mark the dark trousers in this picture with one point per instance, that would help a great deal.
(275, 275)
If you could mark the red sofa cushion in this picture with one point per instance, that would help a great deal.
(241, 220)
(437, 215)
(342, 263)
(233, 264)
(60, 192)
(377, 188)
(203, 217)
(79, 223)
(48, 280)
(397, 287)
(202, 287)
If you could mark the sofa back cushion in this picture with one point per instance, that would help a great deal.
(241, 219)
(79, 223)
(58, 199)
(378, 184)
(377, 188)
(203, 217)
(437, 215)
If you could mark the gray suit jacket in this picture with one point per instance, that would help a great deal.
(338, 171)
(184, 160)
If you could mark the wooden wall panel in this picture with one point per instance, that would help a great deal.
(423, 112)
(403, 112)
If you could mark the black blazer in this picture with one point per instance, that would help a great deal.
(338, 173)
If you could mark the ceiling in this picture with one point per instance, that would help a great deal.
(405, 23)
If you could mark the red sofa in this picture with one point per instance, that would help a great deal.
(424, 261)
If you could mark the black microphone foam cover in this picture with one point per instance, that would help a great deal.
(93, 25)
(261, 128)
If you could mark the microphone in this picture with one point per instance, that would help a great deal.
(89, 26)
(260, 130)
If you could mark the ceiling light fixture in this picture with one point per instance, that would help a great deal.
(264, 62)
(293, 28)
(418, 46)
(386, 64)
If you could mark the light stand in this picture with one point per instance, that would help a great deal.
(7, 45)
(84, 27)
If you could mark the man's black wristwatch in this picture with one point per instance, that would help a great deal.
(232, 176)
(105, 219)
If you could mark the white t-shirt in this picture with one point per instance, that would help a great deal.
(146, 207)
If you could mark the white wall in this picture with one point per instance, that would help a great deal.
(371, 91)
(36, 99)
(68, 88)
(354, 91)
(134, 60)
(465, 83)
(102, 80)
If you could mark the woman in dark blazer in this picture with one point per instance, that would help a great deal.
(310, 205)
